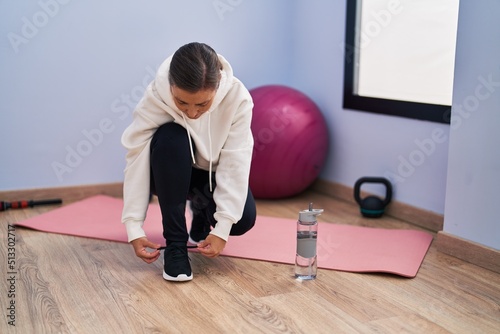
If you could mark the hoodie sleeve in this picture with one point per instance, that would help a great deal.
(233, 169)
(147, 117)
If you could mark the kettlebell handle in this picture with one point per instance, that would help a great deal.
(368, 179)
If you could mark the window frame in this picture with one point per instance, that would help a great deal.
(407, 109)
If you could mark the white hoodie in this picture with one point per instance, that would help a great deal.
(223, 141)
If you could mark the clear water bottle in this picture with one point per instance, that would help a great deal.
(306, 264)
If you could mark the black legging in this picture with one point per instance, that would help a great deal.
(174, 181)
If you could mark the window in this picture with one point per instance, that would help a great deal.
(399, 57)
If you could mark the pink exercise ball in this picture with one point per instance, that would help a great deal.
(290, 142)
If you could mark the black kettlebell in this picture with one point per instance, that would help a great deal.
(372, 206)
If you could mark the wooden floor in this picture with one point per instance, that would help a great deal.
(66, 284)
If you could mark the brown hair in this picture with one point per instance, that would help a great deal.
(194, 67)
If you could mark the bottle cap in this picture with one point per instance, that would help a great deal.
(309, 216)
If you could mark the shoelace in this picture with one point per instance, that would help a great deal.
(188, 246)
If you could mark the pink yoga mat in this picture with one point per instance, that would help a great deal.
(340, 247)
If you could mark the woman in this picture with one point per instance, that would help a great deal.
(190, 139)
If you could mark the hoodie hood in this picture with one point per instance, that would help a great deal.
(162, 85)
(162, 89)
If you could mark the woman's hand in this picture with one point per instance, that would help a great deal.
(140, 246)
(212, 246)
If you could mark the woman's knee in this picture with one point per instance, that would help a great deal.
(248, 218)
(169, 133)
(171, 142)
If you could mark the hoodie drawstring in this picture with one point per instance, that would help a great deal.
(210, 147)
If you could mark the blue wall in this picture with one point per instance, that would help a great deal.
(71, 67)
(72, 72)
(474, 158)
